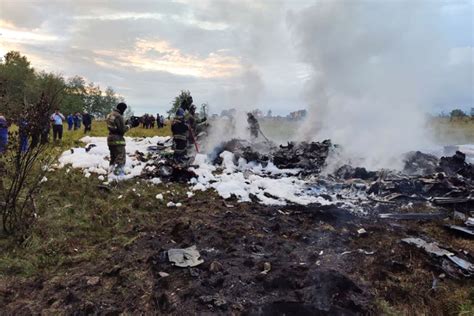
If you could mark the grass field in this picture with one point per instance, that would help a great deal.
(446, 131)
(75, 215)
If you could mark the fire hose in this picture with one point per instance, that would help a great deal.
(194, 139)
(263, 135)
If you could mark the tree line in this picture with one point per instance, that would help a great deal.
(22, 85)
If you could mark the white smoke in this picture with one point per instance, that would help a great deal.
(242, 96)
(378, 67)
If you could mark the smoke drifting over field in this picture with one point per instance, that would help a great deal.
(378, 67)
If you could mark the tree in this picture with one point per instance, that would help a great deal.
(457, 113)
(109, 101)
(183, 95)
(18, 79)
(22, 86)
(203, 110)
(74, 99)
(52, 87)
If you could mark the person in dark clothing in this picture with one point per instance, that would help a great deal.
(3, 134)
(180, 131)
(40, 133)
(116, 142)
(253, 125)
(152, 121)
(70, 122)
(23, 134)
(158, 121)
(87, 121)
(77, 121)
(57, 119)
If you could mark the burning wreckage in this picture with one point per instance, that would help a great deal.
(298, 168)
(436, 193)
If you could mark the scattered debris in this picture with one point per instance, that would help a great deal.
(431, 248)
(215, 300)
(462, 230)
(434, 249)
(470, 221)
(267, 267)
(362, 232)
(159, 196)
(92, 281)
(459, 215)
(420, 164)
(185, 257)
(309, 157)
(348, 172)
(414, 216)
(163, 274)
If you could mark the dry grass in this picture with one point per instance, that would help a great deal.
(447, 131)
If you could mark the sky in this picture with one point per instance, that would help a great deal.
(236, 53)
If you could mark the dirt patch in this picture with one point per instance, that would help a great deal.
(316, 263)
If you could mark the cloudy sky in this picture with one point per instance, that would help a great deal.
(228, 53)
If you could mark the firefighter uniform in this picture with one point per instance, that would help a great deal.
(180, 135)
(115, 140)
(253, 124)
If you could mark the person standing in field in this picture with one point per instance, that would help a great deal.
(180, 131)
(158, 120)
(253, 125)
(57, 119)
(77, 120)
(87, 121)
(70, 122)
(3, 134)
(116, 141)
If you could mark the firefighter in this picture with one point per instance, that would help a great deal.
(180, 131)
(253, 125)
(116, 141)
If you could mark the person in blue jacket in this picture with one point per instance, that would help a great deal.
(70, 122)
(3, 134)
(23, 134)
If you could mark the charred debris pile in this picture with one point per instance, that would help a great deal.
(448, 180)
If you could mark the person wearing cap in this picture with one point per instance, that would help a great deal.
(116, 142)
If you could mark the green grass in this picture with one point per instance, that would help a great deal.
(99, 128)
(75, 217)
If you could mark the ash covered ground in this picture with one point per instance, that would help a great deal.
(276, 234)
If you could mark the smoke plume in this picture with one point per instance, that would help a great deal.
(377, 69)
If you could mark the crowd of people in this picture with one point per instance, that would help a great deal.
(55, 122)
(148, 121)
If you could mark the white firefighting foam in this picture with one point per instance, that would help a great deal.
(270, 185)
(96, 160)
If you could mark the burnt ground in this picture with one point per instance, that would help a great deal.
(319, 264)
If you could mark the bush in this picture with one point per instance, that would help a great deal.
(23, 167)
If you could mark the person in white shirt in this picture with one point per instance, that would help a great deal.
(57, 119)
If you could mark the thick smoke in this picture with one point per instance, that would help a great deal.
(243, 96)
(378, 68)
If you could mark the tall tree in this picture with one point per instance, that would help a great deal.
(74, 100)
(18, 79)
(183, 95)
